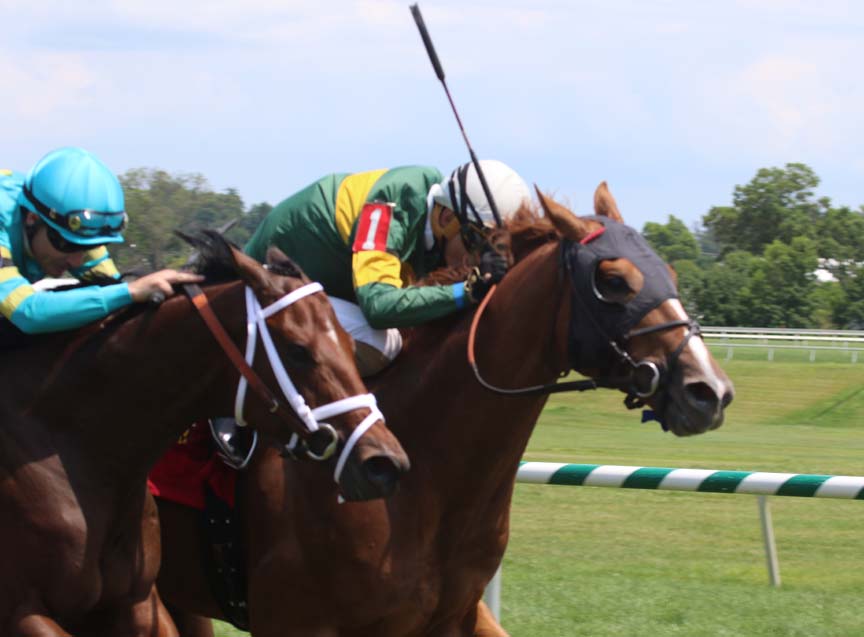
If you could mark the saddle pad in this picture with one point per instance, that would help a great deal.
(182, 473)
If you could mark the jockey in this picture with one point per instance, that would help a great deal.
(59, 218)
(366, 236)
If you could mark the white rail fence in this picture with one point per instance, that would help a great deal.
(848, 341)
(758, 483)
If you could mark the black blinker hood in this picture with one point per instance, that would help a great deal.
(594, 322)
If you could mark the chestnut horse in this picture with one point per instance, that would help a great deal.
(584, 293)
(86, 413)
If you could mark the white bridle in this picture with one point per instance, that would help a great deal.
(256, 317)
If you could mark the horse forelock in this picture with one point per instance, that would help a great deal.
(529, 230)
(215, 260)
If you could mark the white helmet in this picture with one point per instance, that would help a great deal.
(463, 193)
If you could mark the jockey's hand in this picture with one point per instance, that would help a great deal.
(493, 267)
(160, 283)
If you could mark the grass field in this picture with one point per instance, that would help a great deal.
(599, 562)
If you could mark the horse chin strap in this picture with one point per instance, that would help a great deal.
(256, 318)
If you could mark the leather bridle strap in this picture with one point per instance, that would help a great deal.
(199, 300)
(534, 390)
(588, 383)
(300, 411)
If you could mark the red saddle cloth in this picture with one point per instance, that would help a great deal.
(181, 474)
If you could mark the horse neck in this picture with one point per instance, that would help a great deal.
(121, 399)
(518, 344)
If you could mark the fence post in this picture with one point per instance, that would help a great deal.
(492, 596)
(768, 539)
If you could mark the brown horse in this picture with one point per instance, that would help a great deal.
(417, 563)
(86, 414)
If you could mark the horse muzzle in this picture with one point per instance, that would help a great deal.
(697, 404)
(372, 473)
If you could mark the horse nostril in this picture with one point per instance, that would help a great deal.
(383, 473)
(728, 395)
(701, 394)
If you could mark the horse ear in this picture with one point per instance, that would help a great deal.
(568, 224)
(276, 257)
(248, 269)
(604, 203)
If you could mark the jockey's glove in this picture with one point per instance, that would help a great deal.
(493, 266)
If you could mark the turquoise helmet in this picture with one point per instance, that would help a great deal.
(77, 195)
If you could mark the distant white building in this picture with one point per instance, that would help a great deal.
(825, 272)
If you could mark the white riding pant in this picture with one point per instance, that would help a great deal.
(375, 348)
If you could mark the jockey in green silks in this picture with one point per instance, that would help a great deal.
(56, 219)
(366, 236)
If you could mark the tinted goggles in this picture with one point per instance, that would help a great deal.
(61, 244)
(91, 223)
(87, 223)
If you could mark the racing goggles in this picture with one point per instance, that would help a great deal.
(61, 244)
(85, 223)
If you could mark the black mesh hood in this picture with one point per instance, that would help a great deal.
(594, 321)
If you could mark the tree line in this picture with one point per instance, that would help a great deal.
(778, 256)
(158, 203)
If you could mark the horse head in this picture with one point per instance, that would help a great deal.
(627, 328)
(332, 417)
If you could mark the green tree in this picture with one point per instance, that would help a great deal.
(248, 223)
(849, 310)
(777, 204)
(782, 284)
(725, 297)
(827, 299)
(691, 279)
(841, 236)
(159, 203)
(672, 241)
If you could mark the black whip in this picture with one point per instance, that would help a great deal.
(439, 71)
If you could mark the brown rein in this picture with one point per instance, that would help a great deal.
(534, 390)
(199, 300)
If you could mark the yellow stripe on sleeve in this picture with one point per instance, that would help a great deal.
(373, 266)
(106, 267)
(5, 172)
(9, 272)
(5, 253)
(350, 198)
(9, 304)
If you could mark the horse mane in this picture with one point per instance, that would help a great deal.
(215, 259)
(529, 229)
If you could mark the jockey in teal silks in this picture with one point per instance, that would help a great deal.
(56, 219)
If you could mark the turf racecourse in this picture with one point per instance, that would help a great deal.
(587, 561)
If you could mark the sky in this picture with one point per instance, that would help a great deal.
(673, 102)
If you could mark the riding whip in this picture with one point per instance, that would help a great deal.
(439, 71)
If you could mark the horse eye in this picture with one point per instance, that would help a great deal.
(298, 356)
(613, 289)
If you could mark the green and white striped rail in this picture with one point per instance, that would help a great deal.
(699, 480)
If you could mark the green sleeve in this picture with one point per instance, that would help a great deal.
(387, 306)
